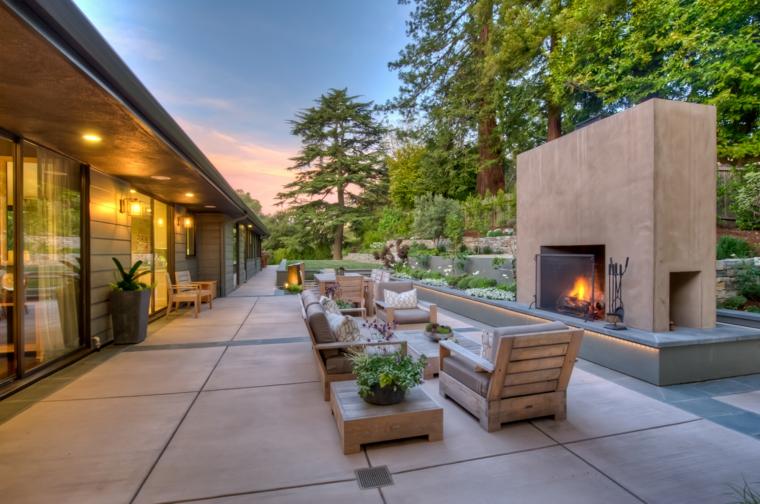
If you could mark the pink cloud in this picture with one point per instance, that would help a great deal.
(246, 165)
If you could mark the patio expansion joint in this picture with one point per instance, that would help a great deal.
(246, 387)
(597, 469)
(182, 419)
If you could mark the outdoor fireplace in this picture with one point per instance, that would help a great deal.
(569, 280)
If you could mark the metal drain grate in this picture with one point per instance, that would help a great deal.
(373, 477)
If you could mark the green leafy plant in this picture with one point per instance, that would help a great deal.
(394, 371)
(129, 278)
(748, 282)
(729, 247)
(746, 204)
(438, 328)
(342, 304)
(734, 303)
(294, 288)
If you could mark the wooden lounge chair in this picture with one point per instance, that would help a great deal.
(418, 315)
(186, 293)
(333, 362)
(351, 289)
(183, 278)
(527, 377)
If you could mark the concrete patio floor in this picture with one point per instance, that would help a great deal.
(227, 409)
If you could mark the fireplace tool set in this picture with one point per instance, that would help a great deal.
(615, 309)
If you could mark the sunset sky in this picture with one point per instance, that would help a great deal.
(233, 72)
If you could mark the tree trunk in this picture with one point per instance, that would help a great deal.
(554, 121)
(553, 110)
(490, 165)
(337, 247)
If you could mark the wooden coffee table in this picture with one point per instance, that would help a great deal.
(360, 422)
(419, 344)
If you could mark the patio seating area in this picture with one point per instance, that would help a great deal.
(228, 408)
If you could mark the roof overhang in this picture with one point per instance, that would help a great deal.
(61, 80)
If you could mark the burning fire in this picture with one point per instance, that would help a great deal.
(581, 290)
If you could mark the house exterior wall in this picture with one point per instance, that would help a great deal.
(641, 183)
(109, 237)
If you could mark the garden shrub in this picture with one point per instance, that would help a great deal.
(746, 204)
(729, 246)
(753, 309)
(432, 216)
(734, 303)
(748, 282)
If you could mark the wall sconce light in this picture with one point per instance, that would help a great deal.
(188, 222)
(131, 206)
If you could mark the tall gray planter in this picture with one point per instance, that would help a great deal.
(129, 315)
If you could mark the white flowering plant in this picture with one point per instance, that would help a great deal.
(491, 293)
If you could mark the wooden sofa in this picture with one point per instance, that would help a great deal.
(391, 316)
(526, 378)
(333, 361)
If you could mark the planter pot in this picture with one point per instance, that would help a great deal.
(436, 336)
(384, 396)
(129, 315)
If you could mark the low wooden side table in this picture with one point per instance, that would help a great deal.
(360, 422)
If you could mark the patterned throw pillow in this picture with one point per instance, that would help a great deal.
(344, 328)
(329, 305)
(403, 300)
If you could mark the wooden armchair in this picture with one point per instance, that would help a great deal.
(418, 315)
(183, 278)
(527, 377)
(351, 289)
(186, 293)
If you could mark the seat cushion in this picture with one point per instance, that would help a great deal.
(413, 316)
(317, 320)
(522, 330)
(338, 364)
(463, 372)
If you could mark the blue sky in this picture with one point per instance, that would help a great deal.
(233, 72)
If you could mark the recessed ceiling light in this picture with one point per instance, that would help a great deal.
(209, 206)
(189, 194)
(160, 177)
(91, 137)
(132, 191)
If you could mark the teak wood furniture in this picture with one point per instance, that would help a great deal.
(418, 315)
(360, 422)
(333, 363)
(183, 277)
(351, 289)
(418, 344)
(186, 293)
(526, 378)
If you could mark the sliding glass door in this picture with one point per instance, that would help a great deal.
(150, 244)
(7, 270)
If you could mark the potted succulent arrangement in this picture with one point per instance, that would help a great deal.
(438, 332)
(130, 303)
(384, 379)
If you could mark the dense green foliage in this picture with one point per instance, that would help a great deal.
(128, 281)
(748, 282)
(437, 217)
(396, 371)
(734, 303)
(729, 246)
(746, 198)
(340, 170)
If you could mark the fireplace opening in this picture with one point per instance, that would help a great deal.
(570, 280)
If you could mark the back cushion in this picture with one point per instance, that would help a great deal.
(343, 328)
(309, 297)
(400, 286)
(315, 316)
(402, 300)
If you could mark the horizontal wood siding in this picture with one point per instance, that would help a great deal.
(109, 237)
(208, 247)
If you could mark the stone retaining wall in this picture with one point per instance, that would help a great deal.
(726, 270)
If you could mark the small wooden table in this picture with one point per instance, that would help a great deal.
(360, 422)
(327, 280)
(419, 344)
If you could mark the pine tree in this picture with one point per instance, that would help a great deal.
(340, 170)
